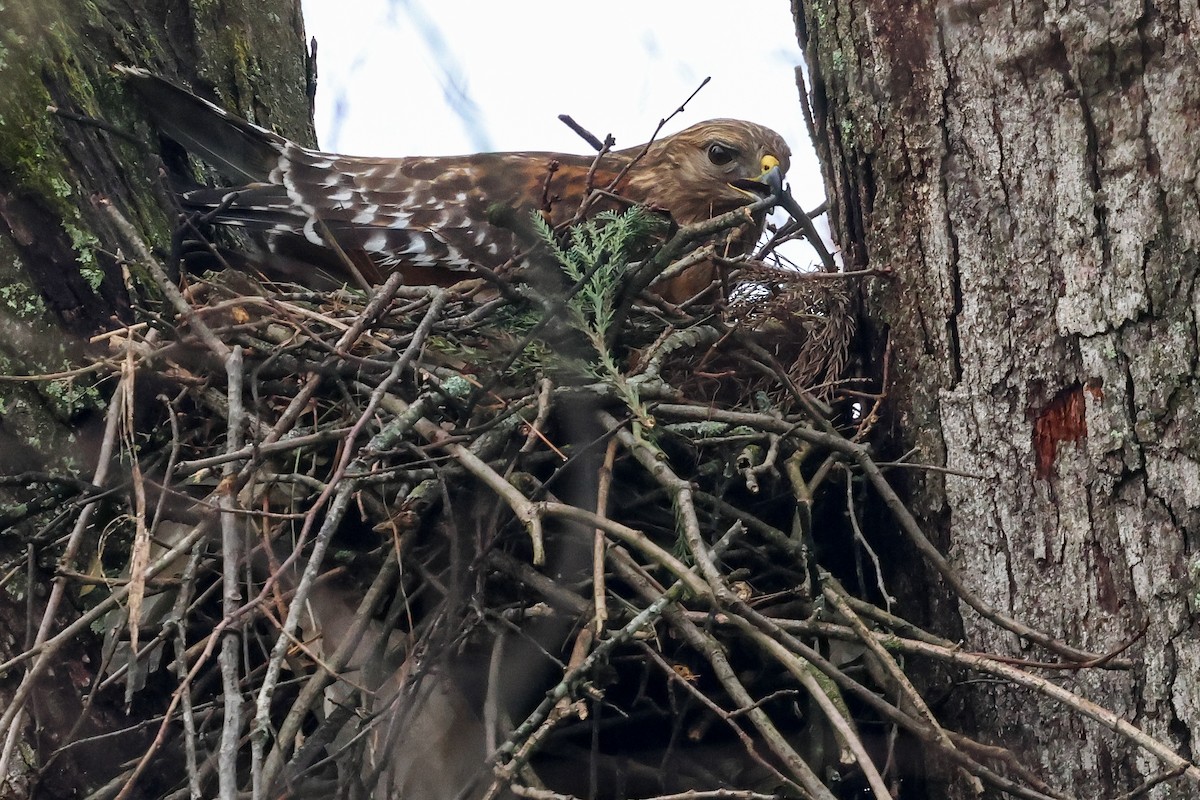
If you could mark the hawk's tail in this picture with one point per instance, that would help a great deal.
(240, 150)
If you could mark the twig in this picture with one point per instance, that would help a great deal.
(151, 265)
(513, 754)
(833, 593)
(837, 715)
(702, 643)
(585, 134)
(1087, 708)
(761, 630)
(789, 204)
(187, 580)
(675, 246)
(282, 445)
(662, 123)
(861, 539)
(338, 502)
(686, 511)
(545, 388)
(95, 122)
(908, 523)
(57, 376)
(346, 647)
(231, 596)
(11, 719)
(599, 543)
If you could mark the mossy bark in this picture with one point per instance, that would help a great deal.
(62, 268)
(1029, 173)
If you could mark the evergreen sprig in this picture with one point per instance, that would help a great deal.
(599, 252)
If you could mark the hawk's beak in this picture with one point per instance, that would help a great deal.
(769, 181)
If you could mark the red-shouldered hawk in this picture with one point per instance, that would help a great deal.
(433, 218)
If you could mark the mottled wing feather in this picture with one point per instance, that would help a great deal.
(421, 212)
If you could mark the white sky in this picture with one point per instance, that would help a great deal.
(437, 77)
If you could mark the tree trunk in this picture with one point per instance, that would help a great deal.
(60, 269)
(1029, 174)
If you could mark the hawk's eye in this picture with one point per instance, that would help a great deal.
(720, 155)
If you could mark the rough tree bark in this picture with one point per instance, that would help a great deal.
(60, 277)
(1029, 172)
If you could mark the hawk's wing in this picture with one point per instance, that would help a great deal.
(446, 212)
(442, 213)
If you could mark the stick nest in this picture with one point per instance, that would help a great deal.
(438, 543)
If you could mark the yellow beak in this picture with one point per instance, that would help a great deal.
(770, 177)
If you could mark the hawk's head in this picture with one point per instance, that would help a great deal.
(708, 169)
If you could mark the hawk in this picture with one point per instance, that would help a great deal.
(434, 218)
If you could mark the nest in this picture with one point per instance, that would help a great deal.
(429, 543)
